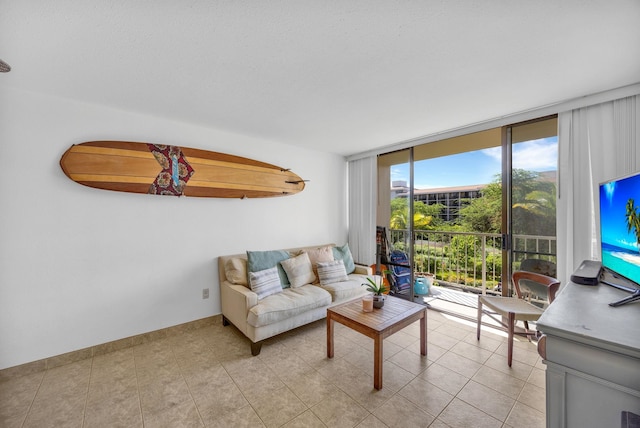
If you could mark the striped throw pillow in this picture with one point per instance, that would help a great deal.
(330, 272)
(265, 282)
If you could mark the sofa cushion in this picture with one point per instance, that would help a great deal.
(321, 254)
(235, 269)
(265, 283)
(288, 303)
(261, 260)
(298, 270)
(330, 272)
(346, 289)
(344, 253)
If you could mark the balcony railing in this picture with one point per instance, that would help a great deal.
(469, 261)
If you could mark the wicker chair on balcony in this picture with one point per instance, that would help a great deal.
(518, 308)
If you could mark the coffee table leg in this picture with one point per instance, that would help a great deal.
(329, 337)
(423, 335)
(377, 362)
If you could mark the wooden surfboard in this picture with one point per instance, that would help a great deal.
(171, 170)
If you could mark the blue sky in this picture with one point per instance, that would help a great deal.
(613, 204)
(479, 167)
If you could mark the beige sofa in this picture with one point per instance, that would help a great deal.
(292, 305)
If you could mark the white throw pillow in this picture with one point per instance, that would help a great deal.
(265, 282)
(299, 270)
(235, 270)
(330, 272)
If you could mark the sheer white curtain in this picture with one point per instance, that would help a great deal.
(596, 143)
(362, 209)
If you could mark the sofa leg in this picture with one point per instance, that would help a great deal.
(255, 348)
(225, 321)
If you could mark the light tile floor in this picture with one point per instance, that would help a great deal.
(208, 378)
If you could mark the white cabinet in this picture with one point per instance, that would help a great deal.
(592, 357)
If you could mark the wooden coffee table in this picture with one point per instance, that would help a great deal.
(395, 315)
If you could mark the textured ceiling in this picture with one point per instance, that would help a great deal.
(342, 76)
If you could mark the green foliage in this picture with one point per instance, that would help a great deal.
(494, 263)
(398, 245)
(536, 207)
(377, 288)
(464, 249)
(534, 203)
(452, 227)
(484, 214)
(425, 217)
(457, 258)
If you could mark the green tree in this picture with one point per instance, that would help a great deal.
(523, 182)
(484, 214)
(425, 217)
(534, 203)
(463, 249)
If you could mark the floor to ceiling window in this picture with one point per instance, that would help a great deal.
(482, 204)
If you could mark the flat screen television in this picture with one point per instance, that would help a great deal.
(620, 229)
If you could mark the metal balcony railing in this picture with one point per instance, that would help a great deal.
(467, 260)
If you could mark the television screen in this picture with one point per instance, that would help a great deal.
(620, 226)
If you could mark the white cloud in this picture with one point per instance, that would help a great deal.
(535, 155)
(398, 174)
(494, 153)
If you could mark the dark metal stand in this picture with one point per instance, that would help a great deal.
(635, 294)
(634, 297)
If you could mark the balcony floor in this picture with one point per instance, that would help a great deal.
(440, 295)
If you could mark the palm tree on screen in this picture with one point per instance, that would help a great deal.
(633, 220)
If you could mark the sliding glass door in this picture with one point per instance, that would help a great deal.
(395, 219)
(483, 205)
(532, 172)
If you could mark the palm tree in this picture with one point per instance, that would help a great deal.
(420, 221)
(424, 216)
(633, 220)
(539, 202)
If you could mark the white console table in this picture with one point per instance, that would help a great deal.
(592, 353)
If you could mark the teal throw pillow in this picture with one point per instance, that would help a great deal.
(344, 253)
(260, 260)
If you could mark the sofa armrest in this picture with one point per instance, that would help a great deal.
(236, 301)
(363, 270)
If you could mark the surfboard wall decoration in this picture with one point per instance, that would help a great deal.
(171, 170)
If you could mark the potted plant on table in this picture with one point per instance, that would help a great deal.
(378, 290)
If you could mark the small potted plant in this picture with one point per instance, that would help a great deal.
(378, 290)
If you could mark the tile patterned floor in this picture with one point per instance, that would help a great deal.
(208, 377)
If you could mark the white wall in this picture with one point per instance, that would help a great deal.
(82, 266)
